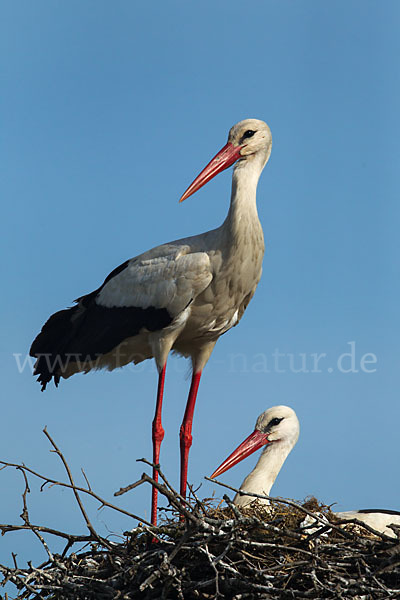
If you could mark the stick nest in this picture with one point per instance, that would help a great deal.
(200, 551)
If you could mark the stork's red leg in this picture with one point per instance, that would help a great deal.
(157, 436)
(186, 430)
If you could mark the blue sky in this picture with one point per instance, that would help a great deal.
(109, 111)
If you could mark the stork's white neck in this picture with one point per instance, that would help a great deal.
(262, 477)
(243, 213)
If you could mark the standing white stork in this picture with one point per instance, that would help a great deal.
(278, 430)
(180, 296)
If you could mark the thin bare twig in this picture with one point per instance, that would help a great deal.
(49, 480)
(77, 497)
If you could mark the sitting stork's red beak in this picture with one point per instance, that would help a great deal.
(256, 440)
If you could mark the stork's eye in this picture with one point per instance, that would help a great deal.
(274, 422)
(248, 134)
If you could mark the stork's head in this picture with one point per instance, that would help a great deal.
(277, 425)
(253, 137)
(248, 140)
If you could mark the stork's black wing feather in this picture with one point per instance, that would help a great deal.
(85, 332)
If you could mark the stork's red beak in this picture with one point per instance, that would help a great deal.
(221, 161)
(256, 440)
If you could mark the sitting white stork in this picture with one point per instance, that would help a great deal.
(180, 296)
(278, 430)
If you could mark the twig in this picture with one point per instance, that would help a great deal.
(75, 487)
(25, 516)
(77, 497)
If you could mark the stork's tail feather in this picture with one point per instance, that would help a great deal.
(49, 346)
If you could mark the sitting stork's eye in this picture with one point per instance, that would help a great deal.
(274, 422)
(248, 134)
